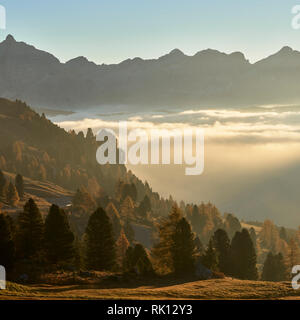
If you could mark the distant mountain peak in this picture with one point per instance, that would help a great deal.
(79, 60)
(10, 38)
(239, 55)
(285, 56)
(176, 52)
(286, 49)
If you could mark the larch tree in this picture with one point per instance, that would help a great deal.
(122, 245)
(114, 217)
(129, 231)
(127, 208)
(12, 196)
(19, 183)
(293, 256)
(162, 251)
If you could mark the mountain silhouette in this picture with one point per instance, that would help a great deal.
(209, 78)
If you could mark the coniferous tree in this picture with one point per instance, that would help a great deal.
(122, 245)
(82, 201)
(12, 196)
(197, 220)
(243, 256)
(162, 251)
(183, 248)
(198, 246)
(127, 208)
(283, 234)
(221, 244)
(129, 190)
(144, 207)
(19, 183)
(90, 135)
(59, 239)
(114, 217)
(100, 244)
(293, 256)
(7, 246)
(30, 231)
(78, 253)
(274, 268)
(137, 260)
(253, 237)
(269, 236)
(210, 257)
(232, 225)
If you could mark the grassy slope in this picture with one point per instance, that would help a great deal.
(208, 289)
(44, 194)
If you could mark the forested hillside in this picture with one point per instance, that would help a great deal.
(114, 221)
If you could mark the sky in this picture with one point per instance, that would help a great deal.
(110, 31)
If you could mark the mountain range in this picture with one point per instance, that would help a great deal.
(209, 78)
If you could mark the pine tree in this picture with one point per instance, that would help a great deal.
(221, 244)
(210, 257)
(90, 135)
(12, 196)
(137, 260)
(30, 231)
(100, 244)
(7, 246)
(122, 245)
(243, 256)
(183, 248)
(274, 268)
(59, 239)
(19, 183)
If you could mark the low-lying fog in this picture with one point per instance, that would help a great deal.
(252, 155)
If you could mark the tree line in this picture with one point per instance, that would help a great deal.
(32, 246)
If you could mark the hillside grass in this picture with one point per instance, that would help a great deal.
(44, 193)
(205, 290)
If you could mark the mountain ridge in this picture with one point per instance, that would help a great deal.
(209, 77)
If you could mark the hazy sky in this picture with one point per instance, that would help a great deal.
(108, 31)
